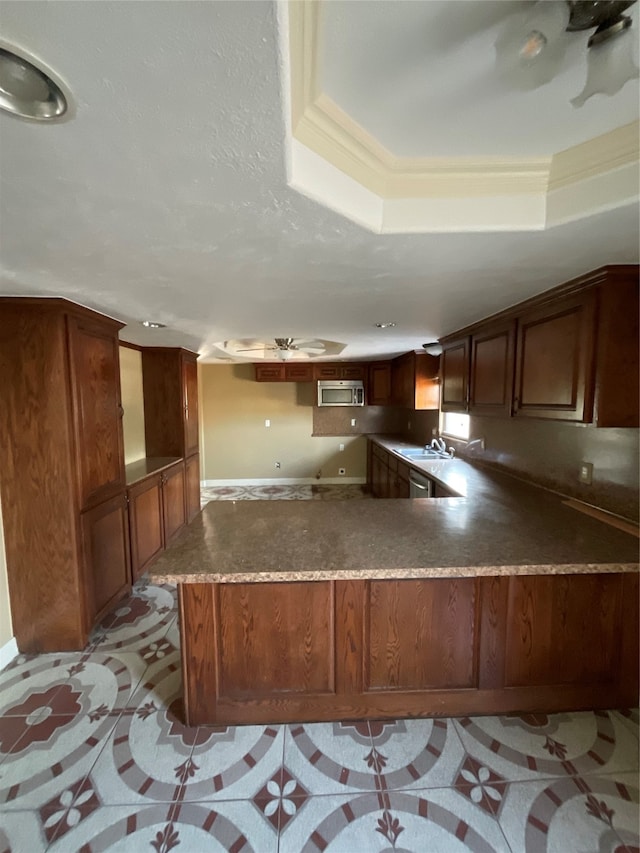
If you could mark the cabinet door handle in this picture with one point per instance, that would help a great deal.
(121, 410)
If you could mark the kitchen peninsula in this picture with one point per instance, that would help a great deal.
(502, 600)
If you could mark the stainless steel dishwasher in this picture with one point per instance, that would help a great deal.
(420, 486)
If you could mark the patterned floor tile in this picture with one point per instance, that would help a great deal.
(331, 758)
(534, 746)
(192, 828)
(412, 754)
(234, 762)
(137, 620)
(59, 745)
(21, 832)
(630, 719)
(573, 813)
(437, 821)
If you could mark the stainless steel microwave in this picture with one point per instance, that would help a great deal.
(340, 392)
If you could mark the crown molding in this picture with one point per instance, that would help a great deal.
(326, 129)
(604, 153)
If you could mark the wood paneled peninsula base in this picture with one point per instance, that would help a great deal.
(309, 611)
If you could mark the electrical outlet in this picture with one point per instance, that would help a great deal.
(277, 464)
(267, 422)
(586, 473)
(342, 471)
(353, 421)
(341, 446)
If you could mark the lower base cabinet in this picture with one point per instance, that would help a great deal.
(333, 650)
(105, 546)
(157, 514)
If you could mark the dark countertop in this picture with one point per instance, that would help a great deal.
(500, 526)
(141, 468)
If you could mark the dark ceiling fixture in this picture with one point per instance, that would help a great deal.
(531, 48)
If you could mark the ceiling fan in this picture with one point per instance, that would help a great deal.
(285, 348)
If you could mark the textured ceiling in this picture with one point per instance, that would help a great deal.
(166, 196)
(421, 78)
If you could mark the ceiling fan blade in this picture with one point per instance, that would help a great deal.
(256, 349)
(311, 349)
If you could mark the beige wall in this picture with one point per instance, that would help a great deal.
(132, 403)
(236, 445)
(6, 631)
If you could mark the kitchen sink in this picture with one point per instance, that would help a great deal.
(422, 453)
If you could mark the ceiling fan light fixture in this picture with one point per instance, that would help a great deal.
(610, 63)
(433, 348)
(530, 50)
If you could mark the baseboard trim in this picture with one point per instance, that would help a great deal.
(8, 652)
(288, 481)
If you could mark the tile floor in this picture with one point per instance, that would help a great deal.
(93, 757)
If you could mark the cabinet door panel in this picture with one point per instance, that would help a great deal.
(298, 372)
(550, 625)
(326, 371)
(352, 371)
(192, 486)
(379, 391)
(492, 364)
(420, 634)
(275, 638)
(145, 515)
(455, 375)
(190, 390)
(173, 501)
(105, 541)
(95, 372)
(269, 372)
(554, 361)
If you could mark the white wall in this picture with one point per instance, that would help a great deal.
(6, 630)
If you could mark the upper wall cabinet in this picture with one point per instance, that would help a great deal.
(491, 372)
(414, 381)
(554, 360)
(307, 372)
(379, 387)
(570, 354)
(170, 381)
(454, 379)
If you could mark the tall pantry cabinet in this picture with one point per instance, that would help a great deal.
(62, 479)
(170, 385)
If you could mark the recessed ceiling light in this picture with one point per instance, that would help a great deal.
(27, 91)
(384, 325)
(151, 325)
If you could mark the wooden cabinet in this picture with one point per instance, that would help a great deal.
(572, 353)
(170, 383)
(379, 384)
(298, 372)
(492, 366)
(414, 381)
(308, 372)
(105, 546)
(192, 486)
(269, 372)
(61, 457)
(173, 501)
(338, 370)
(157, 513)
(145, 521)
(190, 402)
(407, 648)
(399, 481)
(454, 378)
(553, 360)
(97, 413)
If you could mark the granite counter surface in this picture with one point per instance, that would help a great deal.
(500, 526)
